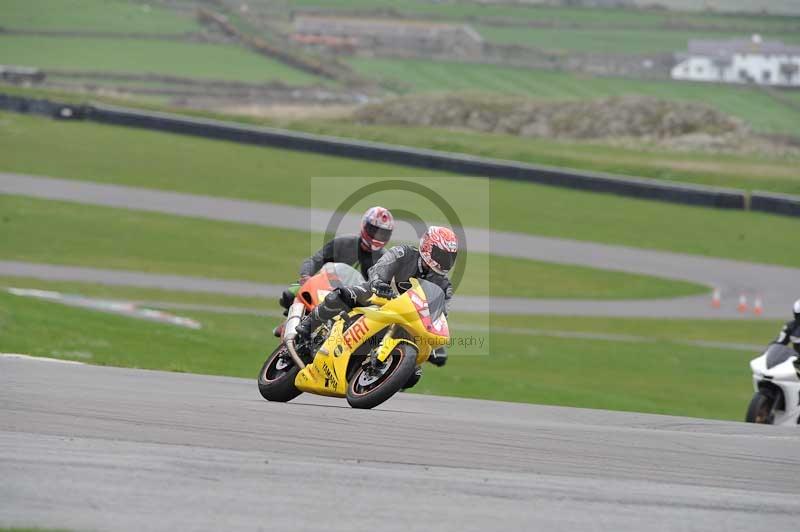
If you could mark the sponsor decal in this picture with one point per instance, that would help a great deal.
(355, 333)
(331, 381)
(440, 326)
(421, 306)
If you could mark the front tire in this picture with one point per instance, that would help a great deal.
(368, 388)
(761, 409)
(276, 378)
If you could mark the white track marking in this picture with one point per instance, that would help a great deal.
(40, 359)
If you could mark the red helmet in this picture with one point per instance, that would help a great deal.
(438, 248)
(376, 228)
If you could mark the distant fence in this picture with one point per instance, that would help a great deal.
(435, 160)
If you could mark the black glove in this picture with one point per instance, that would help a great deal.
(438, 357)
(382, 289)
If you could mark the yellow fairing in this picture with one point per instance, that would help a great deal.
(326, 375)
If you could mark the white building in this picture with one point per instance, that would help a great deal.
(740, 61)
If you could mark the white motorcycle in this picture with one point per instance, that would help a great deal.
(776, 380)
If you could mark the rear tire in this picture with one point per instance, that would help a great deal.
(401, 363)
(276, 378)
(761, 409)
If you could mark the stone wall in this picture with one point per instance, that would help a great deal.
(394, 37)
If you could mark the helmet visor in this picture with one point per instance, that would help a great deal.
(377, 233)
(445, 259)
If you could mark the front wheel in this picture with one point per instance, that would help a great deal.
(276, 378)
(371, 386)
(761, 409)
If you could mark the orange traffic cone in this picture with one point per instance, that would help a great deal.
(716, 298)
(742, 307)
(758, 307)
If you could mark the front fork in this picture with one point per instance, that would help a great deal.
(388, 344)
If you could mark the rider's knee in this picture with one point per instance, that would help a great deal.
(287, 298)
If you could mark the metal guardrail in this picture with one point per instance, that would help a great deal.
(641, 188)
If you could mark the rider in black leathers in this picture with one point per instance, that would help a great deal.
(431, 261)
(790, 333)
(361, 251)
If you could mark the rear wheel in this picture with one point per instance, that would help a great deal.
(371, 385)
(761, 409)
(276, 379)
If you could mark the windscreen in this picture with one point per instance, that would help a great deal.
(778, 354)
(340, 274)
(435, 297)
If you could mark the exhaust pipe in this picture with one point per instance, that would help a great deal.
(293, 318)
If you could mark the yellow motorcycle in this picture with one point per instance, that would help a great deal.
(366, 355)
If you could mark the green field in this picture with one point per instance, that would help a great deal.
(577, 29)
(80, 235)
(609, 40)
(664, 377)
(417, 75)
(590, 17)
(136, 56)
(113, 16)
(151, 296)
(91, 152)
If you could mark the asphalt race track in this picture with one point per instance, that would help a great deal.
(97, 448)
(732, 277)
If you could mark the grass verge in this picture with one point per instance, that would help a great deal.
(663, 377)
(81, 235)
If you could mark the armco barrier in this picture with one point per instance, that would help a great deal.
(456, 163)
(434, 160)
(20, 104)
(783, 204)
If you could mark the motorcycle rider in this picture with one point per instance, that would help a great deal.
(431, 261)
(361, 251)
(790, 333)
